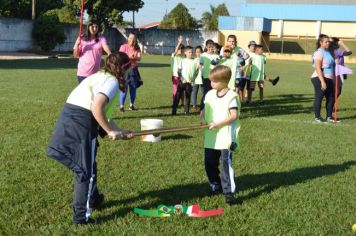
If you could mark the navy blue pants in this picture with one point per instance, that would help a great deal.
(182, 88)
(329, 94)
(74, 144)
(132, 82)
(227, 181)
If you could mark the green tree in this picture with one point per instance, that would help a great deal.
(210, 19)
(47, 31)
(67, 14)
(179, 18)
(106, 12)
(23, 8)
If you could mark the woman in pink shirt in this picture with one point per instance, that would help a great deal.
(89, 50)
(133, 78)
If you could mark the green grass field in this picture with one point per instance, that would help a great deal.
(295, 177)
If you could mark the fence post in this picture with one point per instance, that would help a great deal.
(282, 46)
(306, 44)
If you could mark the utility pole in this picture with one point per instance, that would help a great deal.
(133, 18)
(33, 9)
(166, 7)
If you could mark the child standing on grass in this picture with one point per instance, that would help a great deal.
(257, 71)
(176, 60)
(240, 56)
(241, 84)
(257, 74)
(221, 112)
(227, 60)
(206, 66)
(188, 71)
(198, 80)
(74, 141)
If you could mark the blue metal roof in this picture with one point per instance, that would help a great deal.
(299, 11)
(244, 23)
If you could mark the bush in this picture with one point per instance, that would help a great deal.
(47, 31)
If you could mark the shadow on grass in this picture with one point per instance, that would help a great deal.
(153, 65)
(63, 63)
(156, 108)
(274, 180)
(185, 193)
(176, 136)
(286, 104)
(346, 117)
(146, 116)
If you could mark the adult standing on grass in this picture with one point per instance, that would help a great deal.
(339, 55)
(322, 78)
(74, 142)
(133, 78)
(89, 50)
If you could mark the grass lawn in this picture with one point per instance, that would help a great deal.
(295, 177)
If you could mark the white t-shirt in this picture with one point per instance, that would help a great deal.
(83, 95)
(216, 109)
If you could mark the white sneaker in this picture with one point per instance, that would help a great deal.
(331, 120)
(318, 120)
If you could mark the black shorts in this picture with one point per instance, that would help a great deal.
(251, 85)
(241, 83)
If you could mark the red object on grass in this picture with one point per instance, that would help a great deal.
(196, 212)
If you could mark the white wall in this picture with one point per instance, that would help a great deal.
(15, 35)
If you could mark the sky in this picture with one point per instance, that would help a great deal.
(154, 10)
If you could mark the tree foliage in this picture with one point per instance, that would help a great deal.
(23, 8)
(210, 19)
(179, 18)
(47, 31)
(107, 12)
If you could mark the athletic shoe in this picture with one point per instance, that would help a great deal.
(174, 112)
(261, 102)
(90, 221)
(318, 120)
(331, 120)
(248, 104)
(98, 201)
(122, 109)
(216, 192)
(132, 108)
(231, 200)
(275, 81)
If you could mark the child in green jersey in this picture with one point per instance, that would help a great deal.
(198, 80)
(257, 74)
(188, 71)
(176, 59)
(221, 112)
(206, 66)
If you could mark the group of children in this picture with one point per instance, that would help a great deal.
(189, 72)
